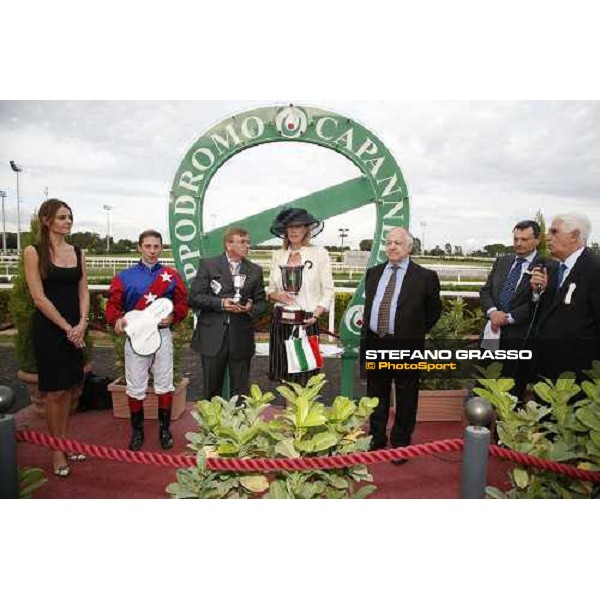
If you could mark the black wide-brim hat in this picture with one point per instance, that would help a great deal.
(295, 216)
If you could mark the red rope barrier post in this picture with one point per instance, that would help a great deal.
(9, 471)
(476, 449)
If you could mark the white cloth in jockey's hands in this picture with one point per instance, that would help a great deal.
(142, 326)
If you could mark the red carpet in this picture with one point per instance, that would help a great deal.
(428, 477)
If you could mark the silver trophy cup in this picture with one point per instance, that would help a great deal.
(291, 278)
(238, 284)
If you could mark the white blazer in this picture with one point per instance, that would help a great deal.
(317, 282)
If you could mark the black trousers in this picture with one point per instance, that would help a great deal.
(214, 367)
(405, 419)
(519, 370)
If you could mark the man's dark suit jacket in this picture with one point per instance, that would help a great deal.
(419, 305)
(520, 305)
(418, 309)
(210, 328)
(568, 332)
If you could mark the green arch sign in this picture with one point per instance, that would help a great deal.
(381, 183)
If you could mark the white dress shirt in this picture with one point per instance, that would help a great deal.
(570, 262)
(317, 280)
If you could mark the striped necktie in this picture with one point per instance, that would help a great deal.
(561, 276)
(383, 318)
(510, 285)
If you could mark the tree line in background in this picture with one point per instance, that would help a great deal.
(489, 251)
(93, 243)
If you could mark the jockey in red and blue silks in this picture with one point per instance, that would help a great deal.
(135, 289)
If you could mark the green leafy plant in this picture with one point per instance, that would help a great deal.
(304, 428)
(30, 479)
(456, 324)
(182, 335)
(562, 424)
(22, 308)
(457, 321)
(97, 316)
(4, 313)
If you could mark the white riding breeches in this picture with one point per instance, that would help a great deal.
(137, 368)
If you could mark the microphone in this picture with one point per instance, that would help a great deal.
(539, 264)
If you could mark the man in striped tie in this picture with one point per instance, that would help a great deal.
(569, 324)
(402, 302)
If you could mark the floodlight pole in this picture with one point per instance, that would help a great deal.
(3, 196)
(343, 234)
(107, 209)
(17, 169)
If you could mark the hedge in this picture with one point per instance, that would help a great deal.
(4, 314)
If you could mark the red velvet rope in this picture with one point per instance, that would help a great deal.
(294, 464)
(70, 446)
(545, 465)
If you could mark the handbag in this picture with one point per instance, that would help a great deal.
(302, 354)
(95, 394)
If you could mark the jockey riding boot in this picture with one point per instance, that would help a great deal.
(136, 408)
(165, 402)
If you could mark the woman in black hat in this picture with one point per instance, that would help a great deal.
(298, 261)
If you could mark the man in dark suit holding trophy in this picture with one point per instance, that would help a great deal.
(228, 294)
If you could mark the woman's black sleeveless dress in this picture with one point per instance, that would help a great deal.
(60, 364)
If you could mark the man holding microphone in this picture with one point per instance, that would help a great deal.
(508, 300)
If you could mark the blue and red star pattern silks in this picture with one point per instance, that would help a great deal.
(138, 286)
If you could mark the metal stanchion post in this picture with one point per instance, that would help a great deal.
(479, 413)
(9, 471)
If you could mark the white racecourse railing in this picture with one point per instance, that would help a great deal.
(448, 273)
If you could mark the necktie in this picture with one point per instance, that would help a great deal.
(510, 285)
(233, 269)
(383, 318)
(561, 275)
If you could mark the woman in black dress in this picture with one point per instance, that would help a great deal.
(56, 276)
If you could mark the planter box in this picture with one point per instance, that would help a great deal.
(121, 405)
(441, 405)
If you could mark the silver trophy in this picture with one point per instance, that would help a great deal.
(291, 279)
(238, 284)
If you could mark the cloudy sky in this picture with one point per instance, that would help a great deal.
(472, 168)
